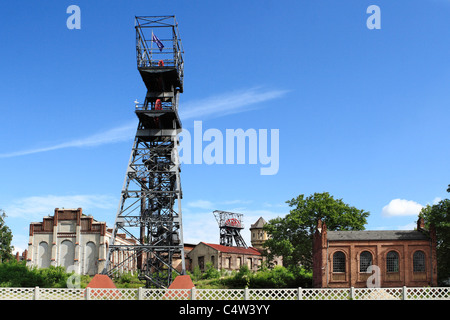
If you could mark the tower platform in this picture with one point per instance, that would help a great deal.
(161, 78)
(159, 119)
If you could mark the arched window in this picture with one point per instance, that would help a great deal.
(91, 258)
(419, 261)
(43, 255)
(392, 262)
(365, 260)
(339, 262)
(67, 253)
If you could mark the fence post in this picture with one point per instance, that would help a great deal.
(140, 294)
(246, 293)
(36, 293)
(405, 294)
(300, 293)
(193, 293)
(88, 293)
(352, 293)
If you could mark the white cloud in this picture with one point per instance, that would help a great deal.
(409, 226)
(19, 241)
(200, 227)
(437, 200)
(228, 103)
(37, 207)
(276, 205)
(215, 106)
(206, 204)
(401, 207)
(229, 202)
(201, 204)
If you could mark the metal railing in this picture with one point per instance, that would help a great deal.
(165, 106)
(401, 293)
(149, 54)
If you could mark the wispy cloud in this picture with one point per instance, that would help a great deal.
(212, 107)
(228, 103)
(409, 226)
(209, 205)
(201, 204)
(36, 207)
(119, 134)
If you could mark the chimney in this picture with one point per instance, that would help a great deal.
(420, 224)
(319, 226)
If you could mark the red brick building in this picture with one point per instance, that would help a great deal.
(341, 259)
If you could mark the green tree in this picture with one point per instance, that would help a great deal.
(439, 216)
(291, 236)
(5, 239)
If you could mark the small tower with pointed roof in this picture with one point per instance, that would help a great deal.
(258, 235)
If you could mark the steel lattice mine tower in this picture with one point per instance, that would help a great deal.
(152, 189)
(230, 225)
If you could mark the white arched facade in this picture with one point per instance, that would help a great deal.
(75, 241)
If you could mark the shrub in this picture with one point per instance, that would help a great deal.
(54, 277)
(303, 278)
(17, 274)
(211, 272)
(241, 279)
(278, 277)
(196, 274)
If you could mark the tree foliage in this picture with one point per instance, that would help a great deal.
(291, 236)
(5, 239)
(439, 216)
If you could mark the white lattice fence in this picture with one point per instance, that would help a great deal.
(441, 293)
(378, 294)
(17, 293)
(325, 294)
(177, 294)
(60, 294)
(431, 293)
(112, 294)
(219, 294)
(273, 294)
(152, 294)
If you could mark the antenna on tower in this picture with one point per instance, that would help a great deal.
(230, 225)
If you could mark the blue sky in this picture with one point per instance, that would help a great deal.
(362, 114)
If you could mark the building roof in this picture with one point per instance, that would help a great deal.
(376, 235)
(239, 250)
(258, 224)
